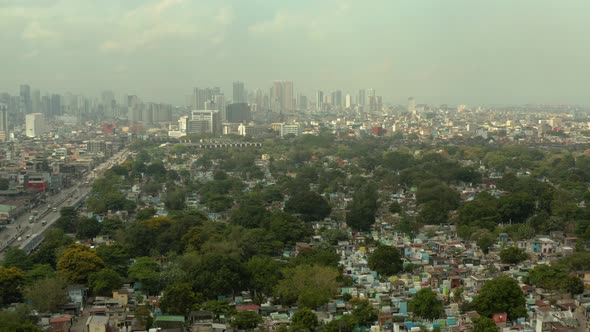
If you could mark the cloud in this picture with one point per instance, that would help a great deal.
(225, 15)
(281, 21)
(34, 32)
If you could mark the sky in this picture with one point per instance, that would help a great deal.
(439, 51)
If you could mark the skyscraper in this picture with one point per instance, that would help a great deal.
(238, 113)
(200, 96)
(302, 103)
(3, 122)
(55, 105)
(36, 101)
(319, 101)
(362, 99)
(239, 93)
(282, 96)
(34, 124)
(337, 99)
(412, 105)
(348, 101)
(25, 98)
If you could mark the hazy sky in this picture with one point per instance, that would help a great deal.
(440, 51)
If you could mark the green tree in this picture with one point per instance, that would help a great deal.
(513, 255)
(115, 257)
(146, 271)
(500, 295)
(304, 320)
(178, 299)
(572, 285)
(246, 320)
(425, 304)
(145, 214)
(264, 274)
(47, 295)
(55, 242)
(38, 272)
(17, 257)
(308, 286)
(175, 200)
(4, 184)
(104, 282)
(12, 280)
(385, 260)
(547, 277)
(484, 324)
(78, 262)
(309, 205)
(87, 228)
(363, 311)
(361, 215)
(20, 319)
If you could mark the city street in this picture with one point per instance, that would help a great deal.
(22, 231)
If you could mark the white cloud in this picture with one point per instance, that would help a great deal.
(35, 32)
(225, 15)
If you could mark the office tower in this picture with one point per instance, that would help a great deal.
(36, 101)
(55, 105)
(200, 96)
(348, 101)
(302, 102)
(319, 101)
(412, 105)
(25, 98)
(239, 94)
(238, 113)
(205, 122)
(3, 122)
(34, 124)
(220, 105)
(337, 99)
(370, 93)
(282, 96)
(362, 99)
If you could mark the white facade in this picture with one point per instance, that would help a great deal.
(293, 128)
(35, 124)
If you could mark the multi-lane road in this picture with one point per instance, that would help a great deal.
(26, 234)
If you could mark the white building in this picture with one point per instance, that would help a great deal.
(34, 124)
(291, 128)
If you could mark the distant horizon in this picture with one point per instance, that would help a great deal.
(453, 52)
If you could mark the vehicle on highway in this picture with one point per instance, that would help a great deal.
(31, 219)
(19, 238)
(43, 222)
(54, 209)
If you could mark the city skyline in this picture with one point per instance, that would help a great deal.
(457, 52)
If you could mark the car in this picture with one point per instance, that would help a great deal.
(43, 222)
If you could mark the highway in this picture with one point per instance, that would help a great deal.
(27, 235)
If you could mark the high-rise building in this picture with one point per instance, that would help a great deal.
(205, 122)
(348, 101)
(36, 101)
(302, 103)
(34, 124)
(25, 98)
(412, 105)
(238, 113)
(200, 96)
(55, 105)
(3, 122)
(290, 129)
(319, 101)
(282, 96)
(239, 93)
(337, 99)
(362, 99)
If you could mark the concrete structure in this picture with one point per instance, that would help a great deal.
(204, 121)
(291, 129)
(239, 93)
(3, 122)
(35, 124)
(282, 96)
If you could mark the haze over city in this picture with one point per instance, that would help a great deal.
(497, 52)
